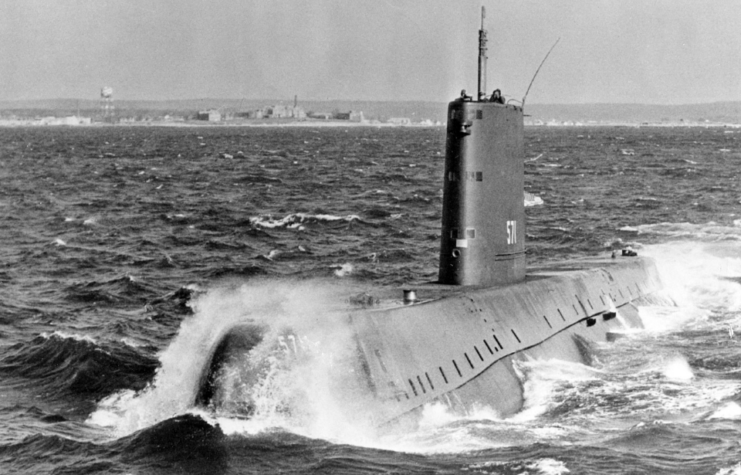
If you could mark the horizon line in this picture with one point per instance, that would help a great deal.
(275, 100)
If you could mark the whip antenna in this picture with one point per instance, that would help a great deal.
(538, 70)
(482, 58)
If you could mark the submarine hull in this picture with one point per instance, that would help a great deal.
(460, 349)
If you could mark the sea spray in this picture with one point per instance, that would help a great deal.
(309, 385)
(676, 368)
(701, 273)
(544, 382)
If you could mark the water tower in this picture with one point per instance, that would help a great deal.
(106, 102)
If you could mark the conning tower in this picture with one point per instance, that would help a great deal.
(483, 223)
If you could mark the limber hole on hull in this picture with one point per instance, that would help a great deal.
(429, 380)
(411, 383)
(419, 380)
(488, 347)
(469, 360)
(445, 378)
(457, 369)
(498, 343)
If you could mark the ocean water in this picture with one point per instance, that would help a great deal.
(125, 252)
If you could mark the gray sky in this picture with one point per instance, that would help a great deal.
(626, 51)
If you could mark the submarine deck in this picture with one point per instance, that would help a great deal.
(428, 291)
(458, 344)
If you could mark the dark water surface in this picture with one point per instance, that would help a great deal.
(125, 251)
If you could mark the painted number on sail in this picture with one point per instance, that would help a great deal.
(511, 232)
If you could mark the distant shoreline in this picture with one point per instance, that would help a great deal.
(185, 125)
(381, 111)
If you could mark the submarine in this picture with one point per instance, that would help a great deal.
(458, 341)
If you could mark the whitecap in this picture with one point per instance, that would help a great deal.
(730, 410)
(343, 270)
(548, 466)
(735, 470)
(532, 200)
(295, 221)
(677, 368)
(68, 336)
(540, 381)
(131, 343)
(545, 466)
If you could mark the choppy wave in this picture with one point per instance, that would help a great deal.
(63, 364)
(299, 221)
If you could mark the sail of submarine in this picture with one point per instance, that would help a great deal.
(459, 343)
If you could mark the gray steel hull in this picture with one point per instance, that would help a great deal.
(460, 349)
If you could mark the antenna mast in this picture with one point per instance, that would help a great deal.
(482, 57)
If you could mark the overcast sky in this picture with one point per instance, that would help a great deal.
(623, 51)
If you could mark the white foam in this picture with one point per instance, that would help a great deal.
(707, 232)
(131, 342)
(295, 221)
(548, 466)
(68, 336)
(677, 368)
(735, 470)
(663, 319)
(343, 270)
(313, 395)
(545, 466)
(437, 414)
(730, 410)
(701, 275)
(540, 380)
(532, 200)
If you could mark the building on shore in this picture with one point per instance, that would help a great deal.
(321, 115)
(211, 115)
(275, 112)
(285, 112)
(400, 121)
(352, 116)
